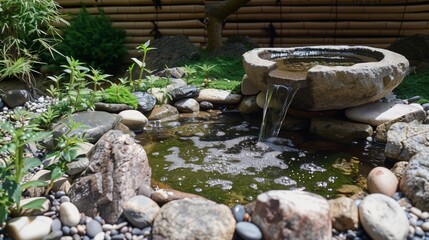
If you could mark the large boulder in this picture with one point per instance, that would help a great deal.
(193, 218)
(118, 167)
(95, 124)
(171, 51)
(415, 181)
(337, 129)
(282, 214)
(404, 140)
(146, 101)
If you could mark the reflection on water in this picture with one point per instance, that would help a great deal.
(221, 159)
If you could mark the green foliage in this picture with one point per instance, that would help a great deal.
(93, 40)
(226, 74)
(14, 169)
(138, 84)
(26, 31)
(120, 94)
(414, 85)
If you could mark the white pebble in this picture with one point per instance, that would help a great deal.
(425, 226)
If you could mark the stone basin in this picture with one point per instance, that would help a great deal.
(328, 77)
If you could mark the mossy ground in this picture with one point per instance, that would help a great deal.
(414, 85)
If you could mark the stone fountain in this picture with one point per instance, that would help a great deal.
(328, 77)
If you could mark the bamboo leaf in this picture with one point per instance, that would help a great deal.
(34, 183)
(35, 204)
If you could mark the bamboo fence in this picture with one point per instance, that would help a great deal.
(279, 23)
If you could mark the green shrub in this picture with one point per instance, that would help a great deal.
(27, 31)
(93, 40)
(120, 94)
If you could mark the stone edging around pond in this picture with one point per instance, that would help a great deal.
(203, 216)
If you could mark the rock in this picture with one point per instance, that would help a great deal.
(217, 96)
(56, 225)
(260, 99)
(282, 214)
(93, 228)
(81, 162)
(238, 211)
(29, 228)
(336, 129)
(382, 180)
(97, 124)
(54, 235)
(14, 98)
(399, 169)
(404, 140)
(145, 190)
(378, 113)
(46, 205)
(134, 120)
(171, 51)
(175, 72)
(322, 86)
(193, 218)
(146, 101)
(164, 112)
(295, 124)
(77, 166)
(106, 184)
(161, 95)
(248, 231)
(383, 218)
(415, 181)
(111, 107)
(189, 91)
(344, 214)
(140, 211)
(248, 105)
(425, 106)
(204, 106)
(247, 87)
(45, 175)
(69, 214)
(187, 105)
(163, 196)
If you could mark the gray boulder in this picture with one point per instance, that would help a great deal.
(404, 140)
(193, 218)
(163, 112)
(415, 180)
(95, 124)
(189, 91)
(146, 101)
(14, 98)
(282, 214)
(140, 211)
(337, 129)
(175, 72)
(118, 166)
(112, 107)
(187, 105)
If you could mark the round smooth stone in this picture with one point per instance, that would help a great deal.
(248, 231)
(382, 180)
(425, 226)
(238, 211)
(69, 214)
(64, 199)
(93, 228)
(118, 237)
(56, 225)
(66, 230)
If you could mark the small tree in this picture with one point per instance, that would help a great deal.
(216, 15)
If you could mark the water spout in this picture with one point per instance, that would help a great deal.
(277, 101)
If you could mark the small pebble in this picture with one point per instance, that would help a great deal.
(107, 227)
(146, 231)
(93, 228)
(238, 212)
(76, 237)
(56, 225)
(248, 231)
(136, 231)
(128, 235)
(415, 211)
(53, 235)
(99, 236)
(419, 232)
(120, 225)
(424, 215)
(425, 226)
(81, 229)
(64, 199)
(86, 238)
(67, 238)
(74, 230)
(99, 219)
(118, 237)
(59, 194)
(66, 230)
(123, 230)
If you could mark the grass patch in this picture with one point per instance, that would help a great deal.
(224, 73)
(414, 85)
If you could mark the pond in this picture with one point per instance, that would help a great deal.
(218, 156)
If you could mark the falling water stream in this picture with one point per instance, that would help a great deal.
(277, 101)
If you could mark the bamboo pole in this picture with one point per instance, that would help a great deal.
(161, 24)
(166, 32)
(139, 9)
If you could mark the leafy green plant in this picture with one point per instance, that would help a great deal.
(120, 94)
(15, 168)
(93, 40)
(189, 72)
(27, 29)
(206, 68)
(66, 152)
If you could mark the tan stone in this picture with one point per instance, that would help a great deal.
(344, 214)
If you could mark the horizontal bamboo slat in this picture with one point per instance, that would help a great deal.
(68, 3)
(161, 24)
(138, 9)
